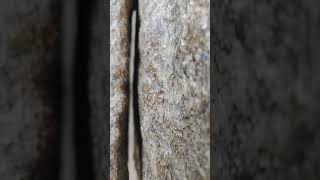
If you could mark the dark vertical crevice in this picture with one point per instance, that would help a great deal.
(135, 98)
(83, 139)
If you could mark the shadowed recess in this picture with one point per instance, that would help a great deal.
(135, 98)
(83, 139)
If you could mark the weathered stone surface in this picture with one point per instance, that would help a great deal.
(266, 90)
(29, 109)
(119, 85)
(174, 88)
(99, 108)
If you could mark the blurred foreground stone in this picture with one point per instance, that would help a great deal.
(29, 87)
(266, 90)
(98, 75)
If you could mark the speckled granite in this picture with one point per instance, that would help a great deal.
(174, 88)
(119, 85)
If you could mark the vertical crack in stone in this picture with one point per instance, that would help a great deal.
(134, 163)
(131, 132)
(137, 126)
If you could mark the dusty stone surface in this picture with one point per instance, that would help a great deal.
(265, 95)
(119, 85)
(174, 88)
(29, 109)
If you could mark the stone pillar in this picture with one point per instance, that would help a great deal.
(174, 42)
(119, 86)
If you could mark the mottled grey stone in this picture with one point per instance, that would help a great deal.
(174, 88)
(119, 85)
(265, 94)
(29, 109)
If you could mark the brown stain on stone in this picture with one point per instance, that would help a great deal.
(123, 88)
(121, 75)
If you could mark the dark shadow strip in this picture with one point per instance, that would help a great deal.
(83, 139)
(47, 164)
(68, 33)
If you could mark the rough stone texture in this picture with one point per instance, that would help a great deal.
(174, 88)
(29, 109)
(266, 90)
(119, 85)
(98, 90)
